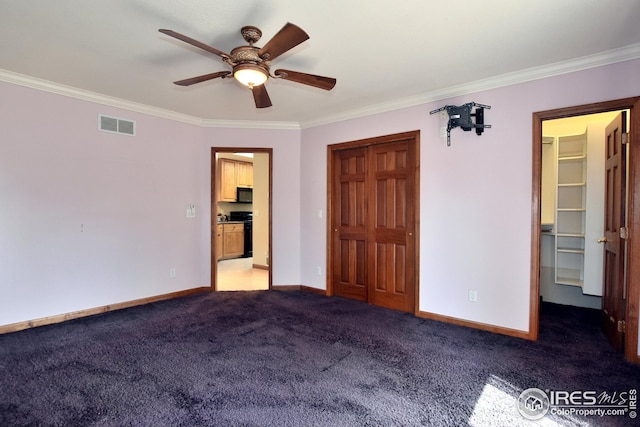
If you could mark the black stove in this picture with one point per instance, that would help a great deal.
(247, 218)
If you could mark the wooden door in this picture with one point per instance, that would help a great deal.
(349, 222)
(391, 262)
(615, 195)
(373, 252)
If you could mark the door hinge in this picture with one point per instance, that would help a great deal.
(624, 233)
(625, 138)
(622, 326)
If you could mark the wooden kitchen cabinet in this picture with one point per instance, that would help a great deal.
(219, 242)
(245, 174)
(230, 175)
(233, 240)
(227, 180)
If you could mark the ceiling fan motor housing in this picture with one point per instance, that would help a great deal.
(247, 58)
(247, 54)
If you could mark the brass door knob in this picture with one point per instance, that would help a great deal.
(602, 240)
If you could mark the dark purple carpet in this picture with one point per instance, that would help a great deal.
(295, 359)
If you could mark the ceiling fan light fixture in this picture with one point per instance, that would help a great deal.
(250, 75)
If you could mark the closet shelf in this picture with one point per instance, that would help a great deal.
(568, 281)
(572, 158)
(581, 235)
(573, 184)
(571, 251)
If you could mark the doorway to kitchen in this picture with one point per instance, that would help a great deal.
(241, 218)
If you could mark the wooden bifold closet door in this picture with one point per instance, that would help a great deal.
(373, 200)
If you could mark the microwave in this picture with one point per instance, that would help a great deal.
(244, 195)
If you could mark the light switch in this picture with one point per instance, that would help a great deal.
(191, 211)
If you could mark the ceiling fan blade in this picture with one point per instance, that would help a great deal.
(261, 97)
(326, 83)
(287, 38)
(195, 43)
(203, 78)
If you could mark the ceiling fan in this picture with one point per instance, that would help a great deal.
(251, 65)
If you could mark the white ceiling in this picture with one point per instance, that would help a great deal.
(383, 53)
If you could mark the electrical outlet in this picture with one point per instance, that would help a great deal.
(172, 272)
(319, 271)
(443, 131)
(473, 295)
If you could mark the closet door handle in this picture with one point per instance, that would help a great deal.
(602, 240)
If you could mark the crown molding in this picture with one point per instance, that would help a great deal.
(98, 98)
(613, 56)
(246, 124)
(85, 95)
(623, 54)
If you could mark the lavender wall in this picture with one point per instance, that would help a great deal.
(90, 218)
(475, 196)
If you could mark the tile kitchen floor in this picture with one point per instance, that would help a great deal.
(238, 274)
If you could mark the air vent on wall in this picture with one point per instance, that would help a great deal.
(112, 124)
